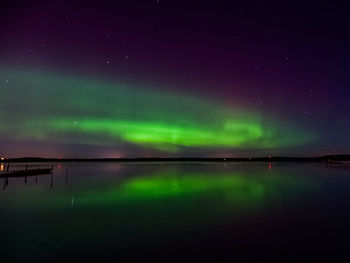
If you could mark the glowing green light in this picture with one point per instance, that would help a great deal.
(229, 187)
(168, 186)
(66, 109)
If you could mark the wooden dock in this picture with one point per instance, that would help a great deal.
(26, 172)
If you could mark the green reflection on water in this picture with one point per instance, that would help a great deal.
(225, 187)
(167, 185)
(171, 184)
(163, 200)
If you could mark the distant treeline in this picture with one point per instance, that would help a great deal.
(326, 158)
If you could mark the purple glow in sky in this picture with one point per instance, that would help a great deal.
(284, 65)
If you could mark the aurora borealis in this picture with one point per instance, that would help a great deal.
(164, 78)
(111, 114)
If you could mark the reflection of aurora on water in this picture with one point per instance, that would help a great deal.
(231, 188)
(153, 198)
(58, 108)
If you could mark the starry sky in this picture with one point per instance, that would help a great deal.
(174, 78)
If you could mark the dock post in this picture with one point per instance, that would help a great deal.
(51, 183)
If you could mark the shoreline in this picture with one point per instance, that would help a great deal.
(317, 159)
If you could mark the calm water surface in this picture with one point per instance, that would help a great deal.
(176, 212)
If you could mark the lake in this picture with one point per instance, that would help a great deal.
(176, 212)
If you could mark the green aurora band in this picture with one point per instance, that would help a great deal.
(43, 106)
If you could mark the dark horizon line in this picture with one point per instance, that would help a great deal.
(324, 158)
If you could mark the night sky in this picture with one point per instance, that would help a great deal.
(174, 78)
